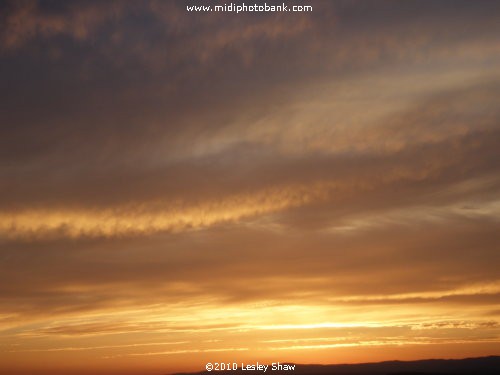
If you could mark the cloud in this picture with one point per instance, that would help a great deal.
(314, 181)
(30, 19)
(155, 218)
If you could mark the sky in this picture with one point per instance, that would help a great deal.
(179, 187)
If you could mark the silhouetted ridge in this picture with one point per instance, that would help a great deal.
(468, 366)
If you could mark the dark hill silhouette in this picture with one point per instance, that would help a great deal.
(468, 366)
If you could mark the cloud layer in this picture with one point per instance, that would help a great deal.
(297, 187)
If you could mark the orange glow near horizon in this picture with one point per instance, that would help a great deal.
(187, 336)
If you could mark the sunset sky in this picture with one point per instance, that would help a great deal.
(178, 187)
